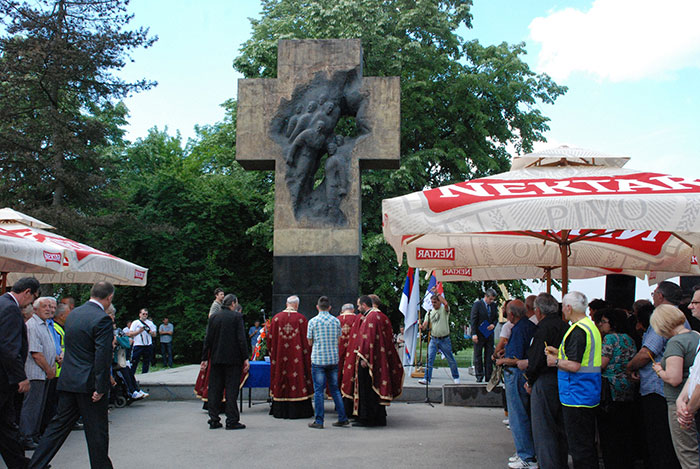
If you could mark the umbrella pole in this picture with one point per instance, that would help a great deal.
(548, 277)
(564, 251)
(3, 282)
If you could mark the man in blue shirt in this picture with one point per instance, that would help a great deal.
(651, 388)
(323, 334)
(516, 396)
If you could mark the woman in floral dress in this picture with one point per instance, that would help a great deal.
(615, 419)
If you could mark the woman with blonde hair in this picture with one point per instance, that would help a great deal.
(669, 322)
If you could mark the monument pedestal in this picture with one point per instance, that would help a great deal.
(309, 277)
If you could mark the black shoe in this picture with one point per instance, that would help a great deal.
(235, 426)
(359, 424)
(341, 424)
(215, 425)
(479, 380)
(29, 444)
(78, 426)
(315, 425)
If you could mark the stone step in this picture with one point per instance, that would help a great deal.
(177, 385)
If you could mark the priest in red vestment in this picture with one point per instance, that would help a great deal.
(291, 386)
(348, 319)
(378, 373)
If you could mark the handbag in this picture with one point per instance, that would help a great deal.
(606, 398)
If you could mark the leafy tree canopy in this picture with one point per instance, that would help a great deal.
(60, 101)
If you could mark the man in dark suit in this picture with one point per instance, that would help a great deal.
(13, 354)
(483, 310)
(84, 381)
(226, 347)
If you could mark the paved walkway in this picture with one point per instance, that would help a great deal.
(159, 434)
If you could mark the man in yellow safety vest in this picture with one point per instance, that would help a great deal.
(578, 362)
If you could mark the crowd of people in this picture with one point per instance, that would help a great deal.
(593, 381)
(353, 356)
(42, 339)
(582, 379)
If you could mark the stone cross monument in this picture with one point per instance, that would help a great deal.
(316, 125)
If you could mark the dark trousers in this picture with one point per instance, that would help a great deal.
(71, 406)
(579, 424)
(617, 435)
(548, 423)
(51, 404)
(141, 352)
(166, 351)
(483, 365)
(10, 447)
(33, 409)
(226, 377)
(658, 433)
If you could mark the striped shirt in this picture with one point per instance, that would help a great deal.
(40, 341)
(324, 330)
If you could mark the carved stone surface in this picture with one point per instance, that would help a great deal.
(316, 125)
(305, 128)
(270, 109)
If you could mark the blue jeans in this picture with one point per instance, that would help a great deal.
(166, 351)
(520, 427)
(321, 375)
(445, 345)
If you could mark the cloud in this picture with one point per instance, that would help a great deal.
(620, 40)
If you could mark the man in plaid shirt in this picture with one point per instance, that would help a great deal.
(323, 333)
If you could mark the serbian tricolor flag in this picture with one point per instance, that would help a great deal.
(427, 302)
(409, 304)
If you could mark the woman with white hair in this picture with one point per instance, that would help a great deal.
(669, 322)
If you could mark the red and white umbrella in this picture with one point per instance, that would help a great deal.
(26, 247)
(562, 207)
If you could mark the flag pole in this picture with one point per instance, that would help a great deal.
(419, 371)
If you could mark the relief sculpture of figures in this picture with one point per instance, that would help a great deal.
(337, 177)
(304, 122)
(293, 121)
(305, 128)
(303, 160)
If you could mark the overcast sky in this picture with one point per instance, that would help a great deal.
(632, 68)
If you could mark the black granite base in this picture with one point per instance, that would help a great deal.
(309, 277)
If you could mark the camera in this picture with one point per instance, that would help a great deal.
(145, 327)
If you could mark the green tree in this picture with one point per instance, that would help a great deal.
(463, 105)
(185, 213)
(59, 101)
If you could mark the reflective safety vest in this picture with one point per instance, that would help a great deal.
(582, 389)
(62, 333)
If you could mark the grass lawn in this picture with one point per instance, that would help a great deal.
(158, 366)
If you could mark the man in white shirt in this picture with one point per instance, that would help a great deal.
(142, 331)
(688, 402)
(40, 367)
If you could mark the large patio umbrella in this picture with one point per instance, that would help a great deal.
(517, 272)
(27, 247)
(562, 207)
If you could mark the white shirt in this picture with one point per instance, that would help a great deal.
(40, 341)
(144, 338)
(694, 376)
(506, 330)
